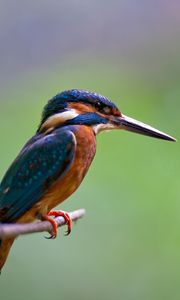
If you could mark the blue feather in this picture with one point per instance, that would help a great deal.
(87, 119)
(43, 160)
(60, 102)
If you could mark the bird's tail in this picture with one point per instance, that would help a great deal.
(5, 246)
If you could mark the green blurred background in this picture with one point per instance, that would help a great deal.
(128, 245)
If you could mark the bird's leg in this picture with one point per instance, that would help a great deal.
(58, 213)
(65, 215)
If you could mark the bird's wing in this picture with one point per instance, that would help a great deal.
(34, 171)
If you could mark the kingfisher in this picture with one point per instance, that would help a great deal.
(53, 163)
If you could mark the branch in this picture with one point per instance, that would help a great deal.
(13, 230)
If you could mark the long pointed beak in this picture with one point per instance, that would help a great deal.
(130, 124)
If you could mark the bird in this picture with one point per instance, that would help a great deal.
(52, 164)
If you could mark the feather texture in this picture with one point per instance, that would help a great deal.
(34, 171)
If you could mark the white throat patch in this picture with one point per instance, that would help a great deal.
(102, 127)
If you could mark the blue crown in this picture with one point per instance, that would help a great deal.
(60, 102)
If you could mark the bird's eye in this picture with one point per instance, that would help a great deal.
(99, 105)
(103, 108)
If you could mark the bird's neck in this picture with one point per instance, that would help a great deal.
(57, 120)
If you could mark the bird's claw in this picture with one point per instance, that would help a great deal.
(50, 237)
(58, 213)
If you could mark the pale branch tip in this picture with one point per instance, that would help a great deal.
(14, 229)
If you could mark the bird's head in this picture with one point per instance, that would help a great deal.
(79, 107)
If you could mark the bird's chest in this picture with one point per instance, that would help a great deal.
(85, 151)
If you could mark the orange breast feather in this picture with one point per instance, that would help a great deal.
(63, 188)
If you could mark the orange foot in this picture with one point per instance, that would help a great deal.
(58, 213)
